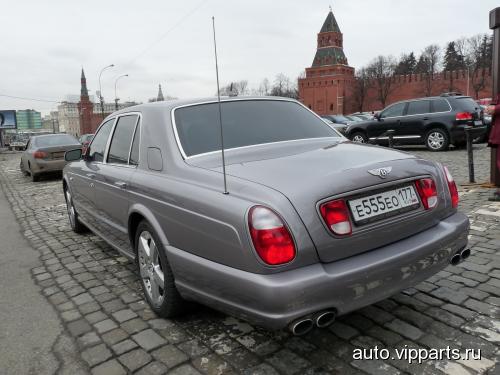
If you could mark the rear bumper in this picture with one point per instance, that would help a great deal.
(458, 132)
(274, 300)
(43, 166)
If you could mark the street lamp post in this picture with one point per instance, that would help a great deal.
(100, 89)
(116, 97)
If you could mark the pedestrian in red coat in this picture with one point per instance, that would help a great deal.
(494, 141)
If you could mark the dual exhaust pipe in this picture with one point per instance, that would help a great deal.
(325, 318)
(322, 319)
(459, 256)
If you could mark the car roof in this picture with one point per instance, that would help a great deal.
(170, 104)
(432, 98)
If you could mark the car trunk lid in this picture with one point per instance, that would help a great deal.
(309, 173)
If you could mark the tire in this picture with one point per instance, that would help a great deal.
(359, 137)
(152, 264)
(74, 222)
(34, 177)
(437, 140)
(24, 172)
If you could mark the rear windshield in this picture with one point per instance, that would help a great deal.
(55, 140)
(467, 104)
(246, 123)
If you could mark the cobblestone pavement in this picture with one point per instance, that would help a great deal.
(97, 295)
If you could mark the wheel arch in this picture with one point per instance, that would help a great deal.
(138, 213)
(437, 125)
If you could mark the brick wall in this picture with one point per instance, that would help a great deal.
(416, 86)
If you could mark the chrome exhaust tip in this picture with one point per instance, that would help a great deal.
(464, 254)
(324, 319)
(455, 259)
(301, 326)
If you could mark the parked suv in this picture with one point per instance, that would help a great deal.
(436, 122)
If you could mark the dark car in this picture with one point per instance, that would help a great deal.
(339, 119)
(341, 128)
(435, 122)
(311, 225)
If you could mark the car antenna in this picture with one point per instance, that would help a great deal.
(220, 111)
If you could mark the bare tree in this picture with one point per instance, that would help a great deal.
(265, 87)
(361, 86)
(475, 53)
(381, 73)
(283, 86)
(432, 57)
(235, 88)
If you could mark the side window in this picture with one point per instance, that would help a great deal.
(394, 110)
(134, 154)
(418, 107)
(122, 139)
(440, 105)
(98, 145)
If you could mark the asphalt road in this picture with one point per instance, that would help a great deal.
(31, 335)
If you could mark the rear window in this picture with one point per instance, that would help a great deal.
(467, 104)
(246, 123)
(55, 140)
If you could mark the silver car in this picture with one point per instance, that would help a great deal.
(45, 154)
(311, 225)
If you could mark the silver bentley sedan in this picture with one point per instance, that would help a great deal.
(311, 226)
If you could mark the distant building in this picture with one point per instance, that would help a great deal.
(330, 78)
(329, 86)
(82, 114)
(28, 119)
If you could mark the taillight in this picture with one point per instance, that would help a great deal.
(271, 238)
(336, 216)
(452, 186)
(463, 116)
(40, 155)
(426, 188)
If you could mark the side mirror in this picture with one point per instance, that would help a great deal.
(376, 116)
(73, 155)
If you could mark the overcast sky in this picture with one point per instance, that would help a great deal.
(45, 43)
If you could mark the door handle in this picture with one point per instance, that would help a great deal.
(90, 175)
(121, 184)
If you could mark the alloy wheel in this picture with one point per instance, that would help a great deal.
(358, 138)
(435, 140)
(150, 268)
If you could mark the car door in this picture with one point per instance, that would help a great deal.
(413, 123)
(85, 172)
(112, 180)
(389, 119)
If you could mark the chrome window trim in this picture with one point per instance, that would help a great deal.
(108, 144)
(104, 157)
(185, 157)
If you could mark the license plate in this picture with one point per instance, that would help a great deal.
(58, 155)
(384, 204)
(478, 123)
